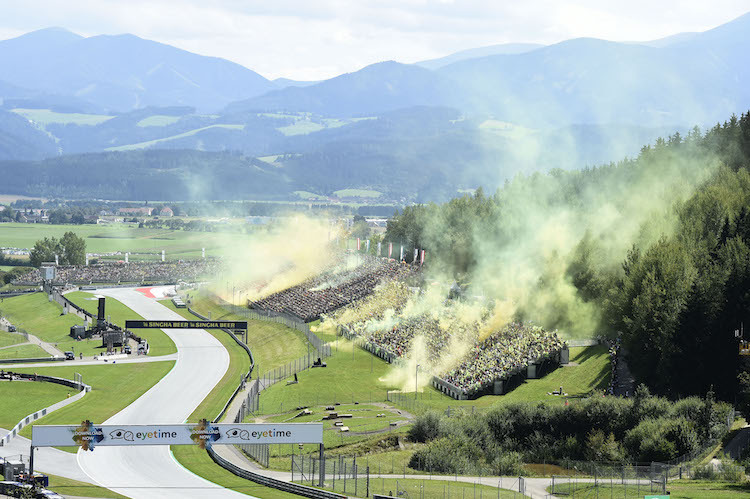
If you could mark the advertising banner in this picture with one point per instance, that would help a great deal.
(168, 324)
(88, 435)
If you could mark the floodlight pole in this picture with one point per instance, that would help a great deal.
(31, 462)
(416, 381)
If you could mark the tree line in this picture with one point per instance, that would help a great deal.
(683, 286)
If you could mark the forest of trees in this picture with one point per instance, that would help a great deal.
(682, 287)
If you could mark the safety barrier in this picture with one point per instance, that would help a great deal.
(81, 387)
(35, 359)
(293, 488)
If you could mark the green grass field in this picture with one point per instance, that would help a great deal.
(678, 489)
(46, 117)
(41, 317)
(158, 120)
(433, 489)
(7, 339)
(23, 352)
(114, 387)
(149, 143)
(122, 237)
(21, 398)
(198, 461)
(357, 193)
(159, 343)
(73, 488)
(352, 375)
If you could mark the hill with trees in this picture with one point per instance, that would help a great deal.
(653, 250)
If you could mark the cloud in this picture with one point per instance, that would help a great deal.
(314, 40)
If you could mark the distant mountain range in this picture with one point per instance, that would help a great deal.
(410, 131)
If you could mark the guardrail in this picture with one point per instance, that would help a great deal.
(293, 488)
(35, 359)
(82, 388)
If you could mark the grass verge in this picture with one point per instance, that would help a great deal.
(73, 488)
(678, 489)
(23, 352)
(44, 319)
(21, 398)
(114, 387)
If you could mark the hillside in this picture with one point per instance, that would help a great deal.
(146, 175)
(124, 72)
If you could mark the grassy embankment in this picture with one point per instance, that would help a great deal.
(8, 339)
(159, 342)
(42, 318)
(21, 398)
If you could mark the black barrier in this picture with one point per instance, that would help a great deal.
(185, 324)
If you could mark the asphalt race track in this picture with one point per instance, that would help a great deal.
(151, 471)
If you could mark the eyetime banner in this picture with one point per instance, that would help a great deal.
(204, 434)
(185, 324)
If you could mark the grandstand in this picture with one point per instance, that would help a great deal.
(334, 289)
(490, 366)
(120, 272)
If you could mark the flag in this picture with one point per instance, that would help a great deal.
(421, 262)
(401, 254)
(390, 249)
(357, 244)
(367, 245)
(378, 248)
(415, 255)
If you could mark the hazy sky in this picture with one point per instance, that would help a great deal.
(316, 39)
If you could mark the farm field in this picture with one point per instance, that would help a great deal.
(46, 117)
(110, 238)
(149, 143)
(158, 120)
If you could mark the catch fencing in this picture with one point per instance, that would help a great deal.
(617, 482)
(356, 476)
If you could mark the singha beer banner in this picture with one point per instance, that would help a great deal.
(88, 435)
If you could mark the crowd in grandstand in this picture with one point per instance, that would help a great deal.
(334, 289)
(380, 321)
(501, 354)
(135, 272)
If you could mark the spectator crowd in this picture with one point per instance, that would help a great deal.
(388, 322)
(503, 353)
(334, 289)
(135, 272)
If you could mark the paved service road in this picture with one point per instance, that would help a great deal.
(151, 471)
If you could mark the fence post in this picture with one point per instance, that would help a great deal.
(367, 483)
